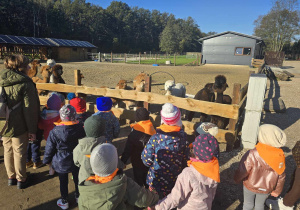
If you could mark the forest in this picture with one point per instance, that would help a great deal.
(118, 28)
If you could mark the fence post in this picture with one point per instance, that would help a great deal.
(111, 57)
(235, 100)
(77, 80)
(139, 57)
(255, 97)
(147, 89)
(155, 58)
(125, 57)
(99, 59)
(174, 59)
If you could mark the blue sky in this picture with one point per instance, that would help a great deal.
(210, 15)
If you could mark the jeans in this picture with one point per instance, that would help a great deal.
(252, 200)
(33, 151)
(64, 181)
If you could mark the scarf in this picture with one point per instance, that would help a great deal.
(145, 126)
(169, 128)
(101, 180)
(210, 169)
(274, 157)
(60, 123)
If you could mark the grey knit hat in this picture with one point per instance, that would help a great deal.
(271, 135)
(104, 159)
(94, 126)
(67, 113)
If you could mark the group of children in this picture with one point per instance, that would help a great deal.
(168, 171)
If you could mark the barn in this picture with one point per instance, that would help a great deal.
(231, 48)
(45, 48)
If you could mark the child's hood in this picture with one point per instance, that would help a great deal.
(87, 144)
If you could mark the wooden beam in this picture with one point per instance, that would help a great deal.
(235, 100)
(210, 108)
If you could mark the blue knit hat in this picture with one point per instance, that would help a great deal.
(70, 96)
(104, 103)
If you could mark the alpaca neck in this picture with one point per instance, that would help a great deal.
(168, 93)
(219, 98)
(51, 78)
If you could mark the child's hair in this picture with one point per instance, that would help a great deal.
(17, 62)
(67, 113)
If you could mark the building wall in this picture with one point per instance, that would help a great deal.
(221, 50)
(71, 53)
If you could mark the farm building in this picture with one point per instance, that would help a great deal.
(45, 48)
(231, 48)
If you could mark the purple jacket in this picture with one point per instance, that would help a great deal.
(192, 190)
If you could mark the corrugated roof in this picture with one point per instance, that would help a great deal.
(51, 42)
(231, 32)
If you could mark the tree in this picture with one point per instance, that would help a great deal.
(280, 25)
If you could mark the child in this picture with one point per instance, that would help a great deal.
(196, 186)
(112, 126)
(80, 105)
(94, 127)
(289, 200)
(262, 169)
(59, 149)
(166, 152)
(110, 188)
(137, 139)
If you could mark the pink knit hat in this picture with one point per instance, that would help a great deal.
(170, 115)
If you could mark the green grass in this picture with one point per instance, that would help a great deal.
(180, 61)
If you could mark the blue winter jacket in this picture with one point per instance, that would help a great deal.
(61, 142)
(166, 153)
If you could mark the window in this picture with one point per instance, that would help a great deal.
(242, 51)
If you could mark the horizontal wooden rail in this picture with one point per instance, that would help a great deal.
(210, 108)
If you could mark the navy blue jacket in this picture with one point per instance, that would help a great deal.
(61, 141)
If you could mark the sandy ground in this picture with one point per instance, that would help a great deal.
(43, 191)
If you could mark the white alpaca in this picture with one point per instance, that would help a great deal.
(51, 62)
(175, 89)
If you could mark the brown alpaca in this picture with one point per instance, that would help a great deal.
(205, 94)
(57, 71)
(35, 64)
(220, 86)
(128, 104)
(46, 72)
(139, 82)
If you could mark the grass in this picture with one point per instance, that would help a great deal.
(180, 61)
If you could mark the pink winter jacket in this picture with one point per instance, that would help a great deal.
(192, 190)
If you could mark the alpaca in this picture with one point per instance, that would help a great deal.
(175, 90)
(205, 94)
(139, 82)
(35, 64)
(128, 104)
(46, 72)
(51, 62)
(57, 71)
(220, 86)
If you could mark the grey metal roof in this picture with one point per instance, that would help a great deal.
(231, 32)
(51, 42)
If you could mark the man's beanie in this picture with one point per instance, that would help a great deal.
(94, 126)
(104, 159)
(104, 103)
(141, 114)
(70, 96)
(207, 127)
(79, 104)
(67, 113)
(205, 147)
(170, 115)
(54, 102)
(271, 135)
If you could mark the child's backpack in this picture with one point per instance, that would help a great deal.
(4, 110)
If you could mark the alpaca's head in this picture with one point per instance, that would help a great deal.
(220, 84)
(122, 84)
(169, 85)
(51, 62)
(57, 70)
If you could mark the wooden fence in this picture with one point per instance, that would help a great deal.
(233, 112)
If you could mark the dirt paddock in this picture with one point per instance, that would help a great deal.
(43, 191)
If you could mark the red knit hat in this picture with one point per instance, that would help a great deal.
(79, 104)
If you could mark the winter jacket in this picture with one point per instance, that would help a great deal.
(114, 194)
(257, 175)
(61, 142)
(166, 153)
(46, 121)
(192, 190)
(82, 117)
(134, 147)
(112, 125)
(85, 147)
(20, 88)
